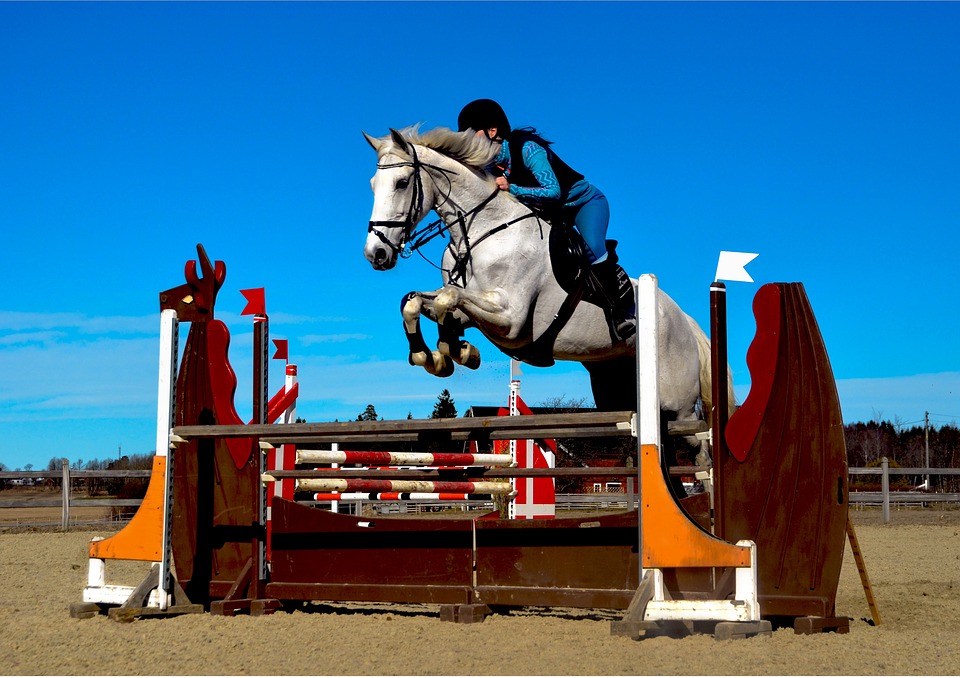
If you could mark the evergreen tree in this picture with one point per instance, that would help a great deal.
(445, 408)
(369, 414)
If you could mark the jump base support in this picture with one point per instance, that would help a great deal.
(639, 630)
(811, 625)
(464, 614)
(255, 607)
(126, 615)
(739, 630)
(139, 602)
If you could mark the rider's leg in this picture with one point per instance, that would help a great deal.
(591, 220)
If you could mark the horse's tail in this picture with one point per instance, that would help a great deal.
(706, 376)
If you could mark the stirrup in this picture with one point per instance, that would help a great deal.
(623, 328)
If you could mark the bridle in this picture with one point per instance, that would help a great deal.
(416, 204)
(435, 228)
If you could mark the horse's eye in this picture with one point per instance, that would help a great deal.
(402, 184)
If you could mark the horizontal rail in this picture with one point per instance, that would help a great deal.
(532, 426)
(904, 497)
(367, 485)
(908, 471)
(471, 471)
(74, 504)
(106, 473)
(401, 458)
(538, 426)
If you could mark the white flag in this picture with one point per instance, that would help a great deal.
(732, 266)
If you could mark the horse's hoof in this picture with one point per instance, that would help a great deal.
(442, 365)
(470, 358)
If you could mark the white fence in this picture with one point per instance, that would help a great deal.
(66, 502)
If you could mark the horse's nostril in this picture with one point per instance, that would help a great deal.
(380, 255)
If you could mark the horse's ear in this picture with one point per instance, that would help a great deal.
(398, 140)
(373, 141)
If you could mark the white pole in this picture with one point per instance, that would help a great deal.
(648, 390)
(166, 404)
(515, 411)
(885, 488)
(286, 454)
(335, 505)
(648, 367)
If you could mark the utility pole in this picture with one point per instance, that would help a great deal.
(926, 446)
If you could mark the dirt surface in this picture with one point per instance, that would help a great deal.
(914, 564)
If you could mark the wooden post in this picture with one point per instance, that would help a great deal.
(721, 404)
(65, 493)
(862, 569)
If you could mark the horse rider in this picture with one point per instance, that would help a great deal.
(528, 168)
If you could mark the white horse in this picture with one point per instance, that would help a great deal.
(501, 277)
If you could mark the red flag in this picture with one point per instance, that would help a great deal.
(282, 352)
(256, 302)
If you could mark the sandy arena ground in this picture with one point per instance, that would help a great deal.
(914, 564)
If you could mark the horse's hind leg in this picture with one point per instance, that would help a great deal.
(412, 307)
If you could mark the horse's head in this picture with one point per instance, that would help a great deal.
(401, 198)
(417, 173)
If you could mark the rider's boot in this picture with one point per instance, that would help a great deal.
(617, 288)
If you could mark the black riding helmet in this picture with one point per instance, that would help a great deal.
(482, 114)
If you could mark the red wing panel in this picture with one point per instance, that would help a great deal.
(762, 356)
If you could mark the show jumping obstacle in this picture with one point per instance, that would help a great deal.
(780, 494)
(535, 498)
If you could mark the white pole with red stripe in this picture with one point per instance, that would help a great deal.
(341, 485)
(535, 497)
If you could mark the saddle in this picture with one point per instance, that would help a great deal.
(572, 270)
(578, 278)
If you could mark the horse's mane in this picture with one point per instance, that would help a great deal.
(466, 147)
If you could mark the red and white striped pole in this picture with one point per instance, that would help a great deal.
(287, 453)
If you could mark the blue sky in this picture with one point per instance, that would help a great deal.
(822, 136)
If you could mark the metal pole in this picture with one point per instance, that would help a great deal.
(926, 447)
(261, 406)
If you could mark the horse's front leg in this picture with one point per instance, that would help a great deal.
(488, 310)
(412, 307)
(450, 342)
